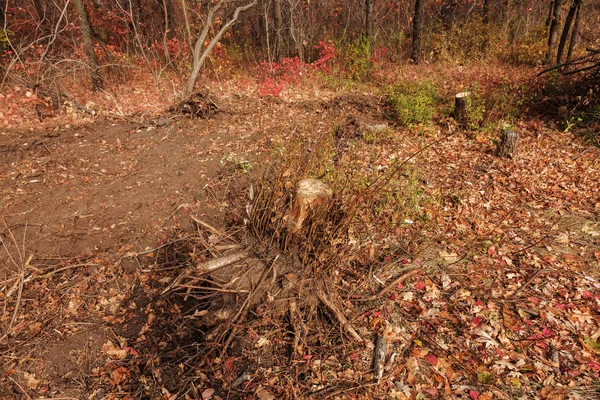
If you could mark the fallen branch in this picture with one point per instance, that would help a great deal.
(218, 263)
(338, 314)
(208, 226)
(401, 278)
(209, 266)
(379, 356)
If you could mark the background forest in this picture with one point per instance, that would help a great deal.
(48, 46)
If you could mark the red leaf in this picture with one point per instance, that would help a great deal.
(131, 351)
(474, 395)
(547, 332)
(594, 365)
(420, 285)
(587, 295)
(491, 251)
(393, 296)
(477, 321)
(229, 363)
(354, 356)
(307, 357)
(431, 359)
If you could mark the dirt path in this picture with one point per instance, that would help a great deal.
(105, 185)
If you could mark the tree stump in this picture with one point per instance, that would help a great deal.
(311, 195)
(461, 107)
(508, 146)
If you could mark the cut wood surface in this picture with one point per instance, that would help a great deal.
(311, 194)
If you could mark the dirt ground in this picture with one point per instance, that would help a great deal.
(81, 199)
(87, 196)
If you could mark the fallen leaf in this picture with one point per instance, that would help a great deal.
(208, 394)
(448, 257)
(431, 359)
(32, 382)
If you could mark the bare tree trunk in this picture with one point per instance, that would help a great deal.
(188, 27)
(296, 30)
(553, 32)
(200, 53)
(550, 13)
(369, 19)
(417, 31)
(486, 22)
(575, 30)
(88, 44)
(566, 30)
(278, 17)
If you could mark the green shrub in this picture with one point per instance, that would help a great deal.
(476, 107)
(360, 66)
(413, 103)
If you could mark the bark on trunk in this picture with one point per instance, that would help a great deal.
(566, 30)
(88, 44)
(461, 108)
(278, 17)
(509, 144)
(369, 19)
(575, 30)
(553, 31)
(417, 31)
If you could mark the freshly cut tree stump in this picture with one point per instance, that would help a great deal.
(311, 194)
(508, 146)
(461, 107)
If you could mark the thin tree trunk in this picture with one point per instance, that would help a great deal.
(188, 27)
(166, 28)
(200, 53)
(278, 17)
(369, 19)
(553, 32)
(486, 22)
(566, 30)
(88, 44)
(417, 31)
(550, 13)
(575, 30)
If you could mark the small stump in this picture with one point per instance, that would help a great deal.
(311, 195)
(508, 146)
(461, 107)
